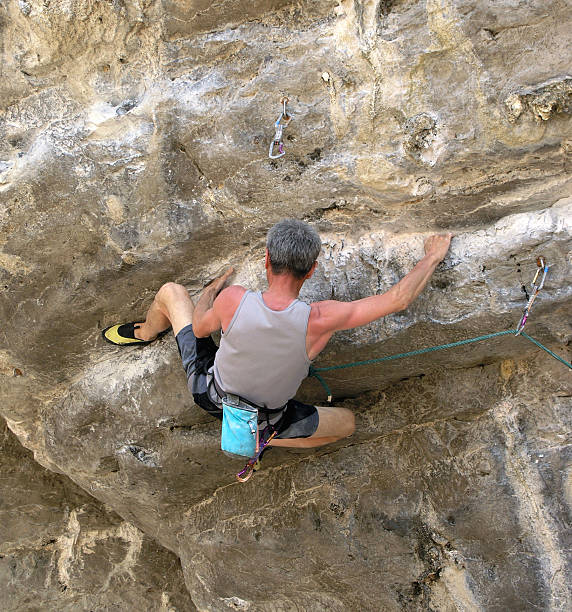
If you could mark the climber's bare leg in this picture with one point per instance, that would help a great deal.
(172, 307)
(334, 424)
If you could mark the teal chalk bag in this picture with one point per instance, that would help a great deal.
(239, 434)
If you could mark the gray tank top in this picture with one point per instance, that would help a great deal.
(262, 355)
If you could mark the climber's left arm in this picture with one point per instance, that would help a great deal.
(214, 308)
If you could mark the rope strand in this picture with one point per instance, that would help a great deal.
(566, 363)
(315, 371)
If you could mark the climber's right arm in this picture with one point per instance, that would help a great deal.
(330, 316)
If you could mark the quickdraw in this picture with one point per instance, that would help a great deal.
(282, 122)
(536, 287)
(253, 462)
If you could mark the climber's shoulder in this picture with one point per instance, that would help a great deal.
(321, 326)
(230, 297)
(324, 315)
(227, 302)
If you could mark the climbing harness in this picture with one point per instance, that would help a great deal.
(536, 287)
(282, 122)
(254, 462)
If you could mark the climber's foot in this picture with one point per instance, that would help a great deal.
(126, 334)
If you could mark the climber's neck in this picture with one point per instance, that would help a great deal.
(283, 288)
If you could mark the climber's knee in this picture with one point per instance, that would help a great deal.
(175, 303)
(171, 292)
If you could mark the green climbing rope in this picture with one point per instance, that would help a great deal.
(315, 371)
(566, 363)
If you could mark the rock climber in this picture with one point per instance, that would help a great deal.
(270, 338)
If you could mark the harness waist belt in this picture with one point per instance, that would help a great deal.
(221, 394)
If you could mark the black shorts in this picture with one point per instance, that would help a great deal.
(296, 420)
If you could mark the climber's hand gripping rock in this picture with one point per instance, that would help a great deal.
(438, 245)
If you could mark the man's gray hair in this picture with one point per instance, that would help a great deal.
(293, 247)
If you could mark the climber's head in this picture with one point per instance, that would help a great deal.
(292, 247)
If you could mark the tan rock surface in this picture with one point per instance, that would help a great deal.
(134, 142)
(60, 549)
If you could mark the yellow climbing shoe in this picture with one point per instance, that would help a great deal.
(124, 335)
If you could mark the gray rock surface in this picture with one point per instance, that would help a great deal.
(134, 150)
(60, 549)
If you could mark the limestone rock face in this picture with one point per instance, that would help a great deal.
(134, 141)
(62, 550)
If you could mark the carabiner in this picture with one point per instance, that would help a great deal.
(246, 473)
(277, 140)
(254, 462)
(542, 265)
